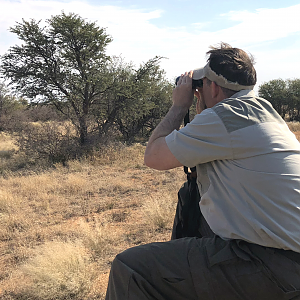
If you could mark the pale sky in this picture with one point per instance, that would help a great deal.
(180, 30)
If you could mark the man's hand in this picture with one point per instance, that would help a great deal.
(183, 94)
(158, 155)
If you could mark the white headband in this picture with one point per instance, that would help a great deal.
(219, 79)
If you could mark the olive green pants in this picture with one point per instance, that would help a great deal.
(204, 268)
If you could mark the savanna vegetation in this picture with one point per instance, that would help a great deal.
(60, 229)
(74, 189)
(75, 192)
(284, 95)
(64, 65)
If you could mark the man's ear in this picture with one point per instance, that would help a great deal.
(215, 90)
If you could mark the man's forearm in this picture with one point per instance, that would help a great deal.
(171, 121)
(158, 155)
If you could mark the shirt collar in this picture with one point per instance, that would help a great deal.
(249, 93)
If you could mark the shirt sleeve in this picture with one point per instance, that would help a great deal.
(204, 139)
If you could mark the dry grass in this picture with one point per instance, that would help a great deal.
(60, 270)
(159, 211)
(6, 202)
(7, 147)
(6, 142)
(60, 229)
(294, 126)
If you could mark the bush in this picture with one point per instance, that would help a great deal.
(42, 113)
(51, 141)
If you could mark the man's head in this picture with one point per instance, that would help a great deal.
(229, 68)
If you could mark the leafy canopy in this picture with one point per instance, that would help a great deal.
(57, 62)
(65, 64)
(284, 95)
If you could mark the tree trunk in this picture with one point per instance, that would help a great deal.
(83, 131)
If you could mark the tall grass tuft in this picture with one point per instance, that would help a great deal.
(6, 201)
(159, 211)
(99, 240)
(61, 270)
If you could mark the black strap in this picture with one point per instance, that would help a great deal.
(186, 120)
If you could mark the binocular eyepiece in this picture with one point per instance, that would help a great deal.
(195, 82)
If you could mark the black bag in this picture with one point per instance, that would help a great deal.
(189, 221)
(187, 218)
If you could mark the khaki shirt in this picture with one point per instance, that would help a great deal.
(248, 170)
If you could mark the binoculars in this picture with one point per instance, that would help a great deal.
(195, 82)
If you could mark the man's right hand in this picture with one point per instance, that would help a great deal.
(183, 94)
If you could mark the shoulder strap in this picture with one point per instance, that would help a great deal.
(186, 120)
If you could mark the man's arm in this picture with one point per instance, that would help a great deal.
(157, 155)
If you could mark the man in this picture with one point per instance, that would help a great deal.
(248, 174)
